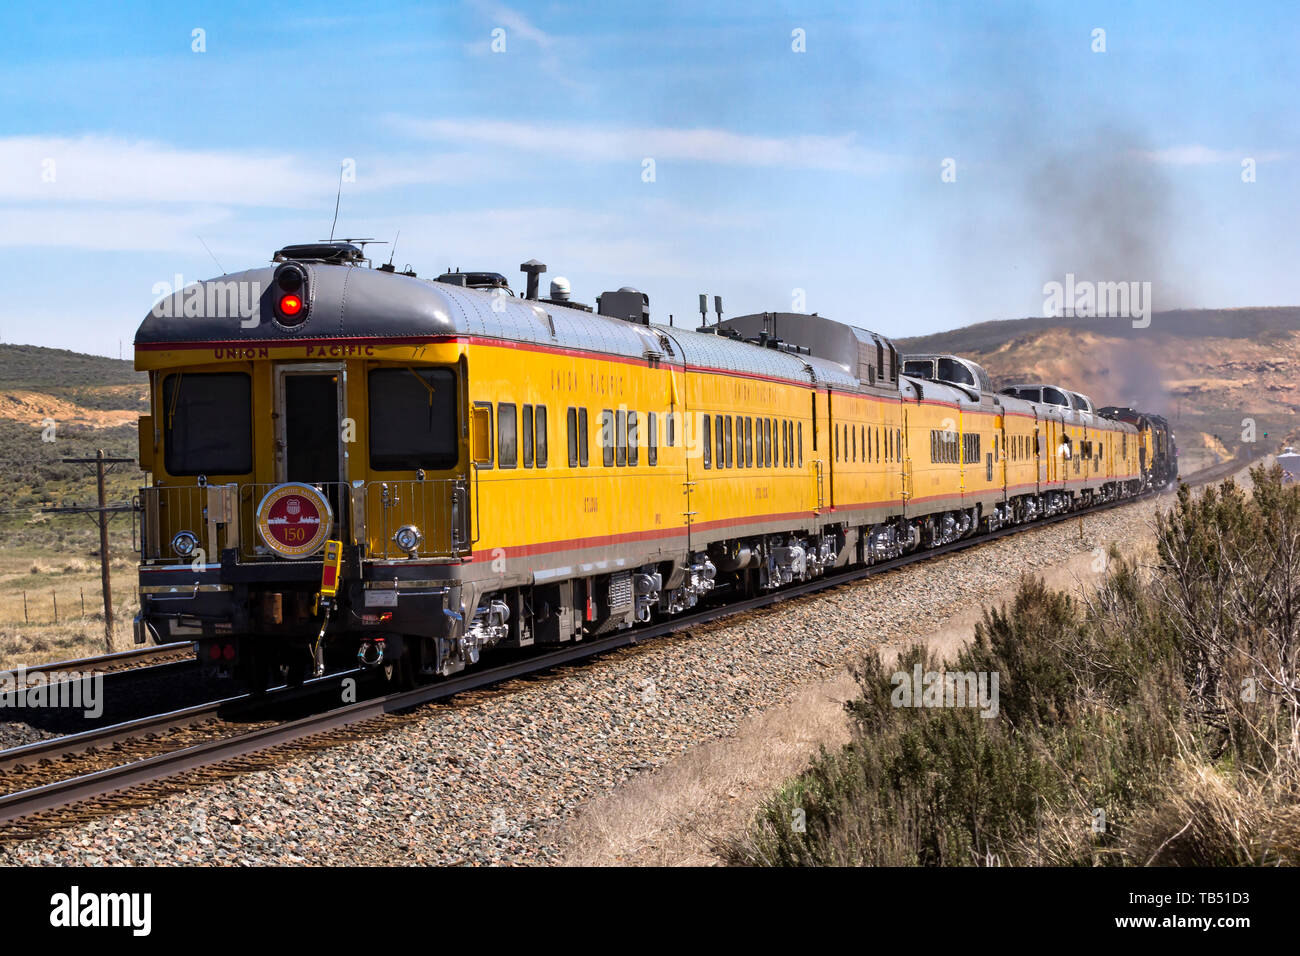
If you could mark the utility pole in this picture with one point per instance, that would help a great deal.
(102, 515)
(104, 572)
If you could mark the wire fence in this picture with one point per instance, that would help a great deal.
(43, 607)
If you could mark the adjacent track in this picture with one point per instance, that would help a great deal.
(134, 659)
(112, 780)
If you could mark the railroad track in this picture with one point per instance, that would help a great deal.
(56, 795)
(134, 659)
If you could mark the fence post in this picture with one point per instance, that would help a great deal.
(56, 605)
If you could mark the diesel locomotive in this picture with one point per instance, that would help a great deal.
(360, 464)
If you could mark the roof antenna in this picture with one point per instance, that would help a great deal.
(214, 258)
(388, 266)
(337, 197)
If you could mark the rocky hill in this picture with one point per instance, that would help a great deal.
(1208, 370)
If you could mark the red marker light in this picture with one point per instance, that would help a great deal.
(290, 305)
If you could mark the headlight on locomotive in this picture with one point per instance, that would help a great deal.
(184, 543)
(408, 538)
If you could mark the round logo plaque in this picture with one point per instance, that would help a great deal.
(294, 520)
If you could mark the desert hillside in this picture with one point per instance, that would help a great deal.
(94, 403)
(1206, 370)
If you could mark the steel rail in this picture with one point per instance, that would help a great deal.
(94, 664)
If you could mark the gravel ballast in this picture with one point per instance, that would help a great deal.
(487, 782)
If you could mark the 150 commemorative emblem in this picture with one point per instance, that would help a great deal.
(294, 520)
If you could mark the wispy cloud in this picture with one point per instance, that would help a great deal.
(548, 48)
(1206, 156)
(601, 143)
(103, 169)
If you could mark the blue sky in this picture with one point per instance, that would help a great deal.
(774, 170)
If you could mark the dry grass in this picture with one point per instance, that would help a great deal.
(678, 815)
(35, 638)
(1213, 819)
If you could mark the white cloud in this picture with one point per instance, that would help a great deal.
(106, 169)
(1196, 155)
(107, 227)
(600, 143)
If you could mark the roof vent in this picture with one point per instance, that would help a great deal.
(532, 268)
(627, 303)
(336, 253)
(475, 280)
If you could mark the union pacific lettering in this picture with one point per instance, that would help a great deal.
(240, 353)
(339, 351)
(311, 351)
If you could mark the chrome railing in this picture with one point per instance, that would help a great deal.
(437, 511)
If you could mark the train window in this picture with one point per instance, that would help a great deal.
(708, 441)
(633, 439)
(528, 436)
(814, 421)
(582, 438)
(542, 454)
(749, 443)
(801, 444)
(620, 438)
(785, 444)
(835, 441)
(854, 446)
(507, 435)
(571, 421)
(209, 423)
(719, 442)
(607, 437)
(767, 442)
(728, 443)
(670, 428)
(413, 419)
(652, 446)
